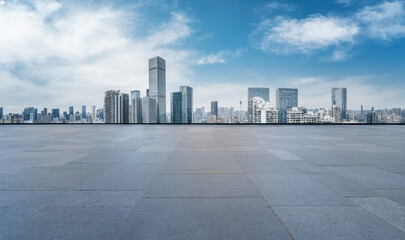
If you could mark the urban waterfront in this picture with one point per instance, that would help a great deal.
(202, 182)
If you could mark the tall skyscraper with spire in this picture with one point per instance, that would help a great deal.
(157, 86)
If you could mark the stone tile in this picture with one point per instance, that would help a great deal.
(156, 149)
(203, 218)
(202, 185)
(208, 164)
(12, 216)
(284, 155)
(391, 212)
(370, 177)
(341, 185)
(267, 166)
(395, 195)
(71, 223)
(307, 167)
(335, 222)
(296, 190)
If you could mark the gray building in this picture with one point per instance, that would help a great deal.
(149, 110)
(112, 106)
(125, 108)
(83, 112)
(286, 98)
(136, 107)
(262, 92)
(177, 107)
(71, 110)
(157, 86)
(1, 113)
(339, 99)
(214, 109)
(30, 114)
(187, 104)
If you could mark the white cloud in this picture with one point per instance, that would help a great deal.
(220, 57)
(319, 33)
(54, 55)
(384, 21)
(273, 6)
(344, 2)
(286, 36)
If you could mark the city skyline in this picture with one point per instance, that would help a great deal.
(219, 61)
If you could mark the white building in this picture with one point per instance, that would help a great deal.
(295, 115)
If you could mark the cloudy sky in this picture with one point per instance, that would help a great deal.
(62, 53)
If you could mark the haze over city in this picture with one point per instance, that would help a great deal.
(84, 48)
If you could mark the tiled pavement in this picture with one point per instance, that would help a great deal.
(202, 182)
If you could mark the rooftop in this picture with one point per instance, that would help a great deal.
(202, 182)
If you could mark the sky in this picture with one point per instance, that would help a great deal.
(56, 53)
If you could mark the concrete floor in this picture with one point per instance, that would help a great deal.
(202, 182)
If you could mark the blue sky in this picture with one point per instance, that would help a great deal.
(61, 53)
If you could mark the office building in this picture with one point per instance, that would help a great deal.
(371, 118)
(112, 106)
(286, 99)
(261, 111)
(261, 92)
(339, 99)
(295, 116)
(1, 113)
(187, 104)
(83, 112)
(214, 109)
(157, 86)
(93, 113)
(149, 110)
(55, 115)
(177, 107)
(136, 107)
(125, 108)
(26, 115)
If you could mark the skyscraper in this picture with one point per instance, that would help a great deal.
(27, 114)
(286, 98)
(157, 86)
(55, 114)
(187, 104)
(1, 113)
(83, 112)
(112, 106)
(339, 99)
(262, 92)
(125, 108)
(136, 106)
(149, 110)
(93, 113)
(71, 111)
(214, 109)
(177, 107)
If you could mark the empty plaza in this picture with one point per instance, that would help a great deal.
(202, 182)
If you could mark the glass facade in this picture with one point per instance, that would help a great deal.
(157, 86)
(187, 104)
(339, 99)
(176, 107)
(286, 98)
(214, 109)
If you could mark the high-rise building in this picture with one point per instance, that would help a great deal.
(45, 112)
(177, 107)
(27, 114)
(55, 114)
(261, 92)
(286, 99)
(112, 106)
(371, 118)
(339, 99)
(214, 109)
(83, 112)
(1, 113)
(125, 108)
(93, 113)
(149, 110)
(136, 107)
(71, 110)
(187, 104)
(157, 86)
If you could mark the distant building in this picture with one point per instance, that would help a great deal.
(371, 118)
(113, 107)
(187, 104)
(28, 111)
(136, 107)
(336, 114)
(83, 112)
(149, 110)
(214, 109)
(1, 113)
(177, 107)
(261, 92)
(125, 108)
(286, 99)
(157, 86)
(295, 115)
(261, 111)
(93, 114)
(55, 115)
(339, 99)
